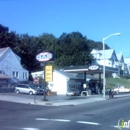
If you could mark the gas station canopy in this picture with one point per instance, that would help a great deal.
(93, 69)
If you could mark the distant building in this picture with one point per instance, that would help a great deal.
(11, 68)
(123, 70)
(127, 61)
(110, 57)
(111, 60)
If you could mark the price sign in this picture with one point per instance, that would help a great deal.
(48, 73)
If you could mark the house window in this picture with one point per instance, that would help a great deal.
(1, 72)
(16, 74)
(25, 75)
(13, 73)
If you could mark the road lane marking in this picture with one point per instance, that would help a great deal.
(42, 119)
(90, 123)
(62, 120)
(30, 129)
(115, 126)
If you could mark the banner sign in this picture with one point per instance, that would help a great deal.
(45, 56)
(93, 67)
(48, 73)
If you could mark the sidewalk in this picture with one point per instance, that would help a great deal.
(58, 100)
(71, 101)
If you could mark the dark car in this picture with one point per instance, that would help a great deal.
(41, 89)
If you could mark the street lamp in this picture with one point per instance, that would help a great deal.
(104, 79)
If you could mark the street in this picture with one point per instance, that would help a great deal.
(102, 115)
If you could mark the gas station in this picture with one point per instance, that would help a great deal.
(95, 71)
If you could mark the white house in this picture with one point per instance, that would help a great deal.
(37, 74)
(110, 57)
(10, 65)
(123, 70)
(127, 61)
(111, 60)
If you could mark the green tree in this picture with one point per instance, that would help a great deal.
(72, 49)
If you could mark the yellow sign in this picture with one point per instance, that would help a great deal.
(48, 73)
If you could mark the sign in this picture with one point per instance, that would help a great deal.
(48, 73)
(44, 56)
(93, 67)
(36, 80)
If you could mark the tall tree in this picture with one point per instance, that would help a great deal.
(3, 28)
(72, 49)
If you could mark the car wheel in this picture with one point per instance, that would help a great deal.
(41, 92)
(30, 93)
(17, 91)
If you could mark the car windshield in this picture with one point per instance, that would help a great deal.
(31, 86)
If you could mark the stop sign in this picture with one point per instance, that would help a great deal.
(36, 80)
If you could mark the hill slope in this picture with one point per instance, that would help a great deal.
(115, 82)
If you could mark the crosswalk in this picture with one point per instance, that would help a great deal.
(68, 121)
(65, 120)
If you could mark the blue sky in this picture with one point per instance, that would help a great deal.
(95, 19)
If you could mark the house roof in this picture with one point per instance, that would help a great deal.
(77, 75)
(108, 53)
(4, 50)
(68, 75)
(72, 75)
(94, 51)
(120, 56)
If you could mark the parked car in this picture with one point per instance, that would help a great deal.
(121, 89)
(73, 93)
(25, 88)
(41, 89)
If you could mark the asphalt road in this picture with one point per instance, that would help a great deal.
(102, 115)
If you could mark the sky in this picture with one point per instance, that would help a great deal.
(95, 19)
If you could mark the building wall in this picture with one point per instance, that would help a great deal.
(60, 83)
(37, 74)
(12, 67)
(108, 62)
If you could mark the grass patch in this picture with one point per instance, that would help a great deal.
(115, 82)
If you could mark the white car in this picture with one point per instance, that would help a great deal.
(25, 88)
(121, 89)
